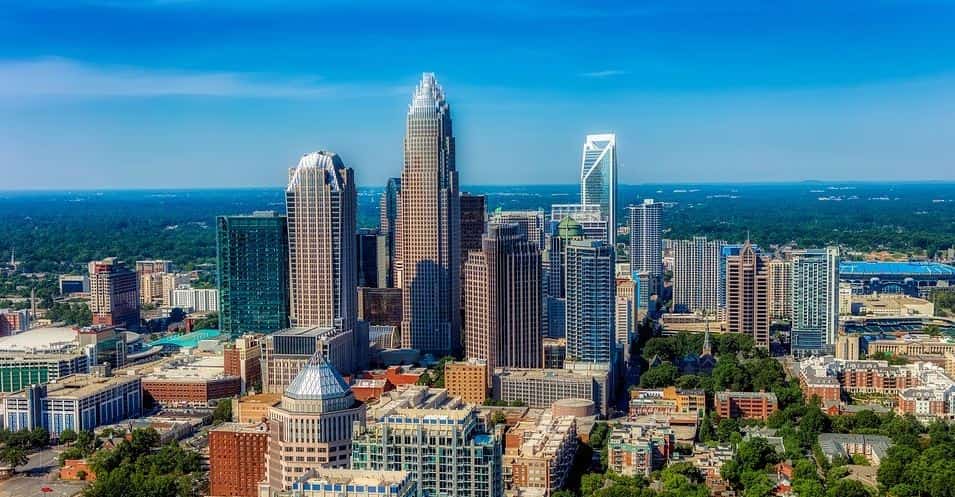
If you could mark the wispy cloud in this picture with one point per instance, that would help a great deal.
(606, 73)
(57, 77)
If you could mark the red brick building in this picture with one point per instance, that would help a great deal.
(746, 405)
(190, 392)
(237, 459)
(114, 294)
(244, 359)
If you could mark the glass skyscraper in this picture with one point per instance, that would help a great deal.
(598, 178)
(646, 243)
(252, 254)
(591, 305)
(815, 304)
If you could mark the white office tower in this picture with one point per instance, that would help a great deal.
(598, 178)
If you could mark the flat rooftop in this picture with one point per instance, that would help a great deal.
(353, 477)
(84, 385)
(874, 268)
(186, 368)
(40, 339)
(243, 428)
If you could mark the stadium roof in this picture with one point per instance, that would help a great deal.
(874, 268)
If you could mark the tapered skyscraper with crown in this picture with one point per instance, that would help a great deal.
(429, 226)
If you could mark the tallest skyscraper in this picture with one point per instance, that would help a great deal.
(429, 225)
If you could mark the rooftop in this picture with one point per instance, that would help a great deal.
(318, 380)
(47, 339)
(862, 268)
(243, 427)
(187, 367)
(356, 477)
(84, 385)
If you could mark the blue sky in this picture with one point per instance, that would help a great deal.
(180, 93)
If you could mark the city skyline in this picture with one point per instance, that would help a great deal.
(832, 97)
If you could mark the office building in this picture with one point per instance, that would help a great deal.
(366, 257)
(598, 179)
(114, 294)
(590, 329)
(237, 458)
(473, 223)
(696, 276)
(467, 380)
(243, 358)
(589, 216)
(380, 306)
(539, 454)
(553, 277)
(666, 402)
(747, 295)
(447, 451)
(196, 299)
(387, 226)
(555, 353)
(252, 255)
(530, 223)
(74, 283)
(78, 402)
(646, 242)
(321, 203)
(312, 427)
(336, 482)
(153, 266)
(745, 405)
(540, 388)
(503, 300)
(171, 282)
(815, 297)
(190, 382)
(286, 352)
(780, 290)
(430, 222)
(19, 370)
(14, 321)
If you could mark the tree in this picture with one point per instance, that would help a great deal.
(222, 412)
(660, 376)
(424, 379)
(67, 436)
(498, 418)
(14, 456)
(848, 488)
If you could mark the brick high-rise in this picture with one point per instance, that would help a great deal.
(747, 295)
(114, 293)
(503, 300)
(429, 223)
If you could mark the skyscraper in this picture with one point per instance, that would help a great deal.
(531, 223)
(553, 278)
(473, 223)
(747, 295)
(598, 178)
(388, 226)
(646, 242)
(815, 299)
(321, 203)
(591, 303)
(780, 289)
(366, 257)
(696, 277)
(252, 256)
(503, 300)
(114, 294)
(429, 225)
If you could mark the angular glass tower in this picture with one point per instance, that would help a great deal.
(429, 226)
(598, 178)
(252, 253)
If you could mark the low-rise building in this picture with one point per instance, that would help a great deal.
(19, 370)
(243, 358)
(542, 387)
(890, 305)
(467, 379)
(191, 381)
(237, 459)
(746, 405)
(638, 449)
(666, 401)
(77, 402)
(14, 321)
(254, 408)
(539, 453)
(329, 482)
(873, 447)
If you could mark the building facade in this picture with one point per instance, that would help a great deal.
(646, 242)
(114, 294)
(780, 290)
(430, 226)
(503, 300)
(387, 226)
(530, 223)
(696, 275)
(747, 295)
(598, 179)
(447, 451)
(590, 308)
(745, 405)
(20, 370)
(237, 459)
(815, 297)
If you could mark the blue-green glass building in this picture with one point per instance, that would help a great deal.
(253, 273)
